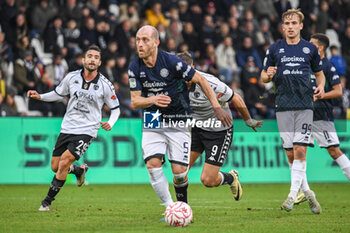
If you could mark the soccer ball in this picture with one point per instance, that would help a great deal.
(178, 214)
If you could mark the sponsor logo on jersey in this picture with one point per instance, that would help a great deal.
(153, 84)
(296, 72)
(178, 66)
(142, 74)
(292, 64)
(196, 94)
(281, 50)
(164, 72)
(306, 50)
(292, 59)
(285, 72)
(184, 75)
(132, 82)
(131, 74)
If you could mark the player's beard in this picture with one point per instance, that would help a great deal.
(90, 69)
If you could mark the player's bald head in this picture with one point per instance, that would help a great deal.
(148, 29)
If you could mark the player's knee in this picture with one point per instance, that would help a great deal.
(299, 152)
(334, 152)
(180, 178)
(54, 168)
(207, 181)
(154, 163)
(64, 164)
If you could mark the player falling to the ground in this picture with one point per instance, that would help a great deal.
(323, 129)
(215, 141)
(88, 90)
(157, 84)
(289, 63)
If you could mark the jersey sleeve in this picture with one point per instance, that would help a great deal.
(222, 91)
(181, 69)
(333, 75)
(63, 88)
(110, 97)
(269, 59)
(134, 79)
(316, 62)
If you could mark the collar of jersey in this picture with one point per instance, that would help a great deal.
(95, 80)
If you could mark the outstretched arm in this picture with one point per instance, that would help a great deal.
(47, 97)
(242, 108)
(225, 118)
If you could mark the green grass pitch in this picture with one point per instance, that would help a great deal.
(136, 208)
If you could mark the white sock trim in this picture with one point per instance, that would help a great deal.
(343, 161)
(222, 178)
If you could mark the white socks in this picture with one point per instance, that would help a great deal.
(160, 185)
(297, 176)
(344, 164)
(304, 184)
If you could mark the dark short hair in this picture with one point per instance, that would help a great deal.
(186, 57)
(333, 47)
(93, 47)
(322, 39)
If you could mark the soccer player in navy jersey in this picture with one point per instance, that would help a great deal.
(88, 91)
(289, 63)
(323, 129)
(158, 85)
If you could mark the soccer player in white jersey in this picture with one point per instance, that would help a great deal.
(157, 84)
(215, 141)
(87, 90)
(289, 63)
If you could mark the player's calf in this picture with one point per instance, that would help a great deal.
(80, 173)
(181, 185)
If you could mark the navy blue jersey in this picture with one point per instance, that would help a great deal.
(167, 77)
(323, 109)
(293, 77)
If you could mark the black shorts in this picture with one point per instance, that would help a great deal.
(77, 144)
(215, 144)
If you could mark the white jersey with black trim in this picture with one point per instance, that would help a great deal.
(201, 105)
(84, 110)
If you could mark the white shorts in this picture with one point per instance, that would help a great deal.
(295, 128)
(175, 142)
(325, 134)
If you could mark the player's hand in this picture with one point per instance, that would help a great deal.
(223, 116)
(33, 94)
(318, 93)
(105, 126)
(271, 71)
(254, 124)
(162, 100)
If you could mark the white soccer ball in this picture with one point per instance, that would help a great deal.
(178, 214)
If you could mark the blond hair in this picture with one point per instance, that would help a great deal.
(291, 12)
